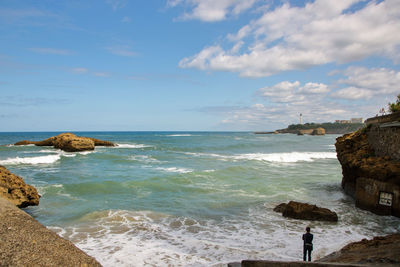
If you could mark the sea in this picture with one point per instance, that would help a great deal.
(190, 198)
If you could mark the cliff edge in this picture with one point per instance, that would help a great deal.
(370, 162)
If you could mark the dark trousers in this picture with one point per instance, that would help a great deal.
(307, 249)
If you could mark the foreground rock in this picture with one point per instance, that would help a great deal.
(14, 189)
(378, 251)
(25, 242)
(69, 142)
(304, 211)
(371, 169)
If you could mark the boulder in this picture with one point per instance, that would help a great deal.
(69, 142)
(379, 251)
(280, 208)
(13, 188)
(304, 211)
(318, 131)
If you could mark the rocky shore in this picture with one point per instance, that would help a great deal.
(23, 240)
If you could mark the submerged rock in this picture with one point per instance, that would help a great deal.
(304, 211)
(14, 189)
(69, 142)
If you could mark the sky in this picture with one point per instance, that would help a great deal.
(194, 65)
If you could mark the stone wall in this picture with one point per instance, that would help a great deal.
(385, 139)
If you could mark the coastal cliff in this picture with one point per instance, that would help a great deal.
(370, 162)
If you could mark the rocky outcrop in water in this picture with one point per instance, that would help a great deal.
(378, 251)
(373, 180)
(318, 131)
(25, 242)
(304, 211)
(69, 142)
(14, 189)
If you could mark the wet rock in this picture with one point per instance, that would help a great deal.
(304, 211)
(14, 189)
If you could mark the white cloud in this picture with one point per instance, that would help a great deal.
(293, 92)
(353, 93)
(292, 38)
(212, 10)
(364, 83)
(51, 51)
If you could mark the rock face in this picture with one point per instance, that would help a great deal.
(13, 188)
(318, 131)
(72, 143)
(304, 211)
(378, 251)
(69, 142)
(374, 181)
(25, 242)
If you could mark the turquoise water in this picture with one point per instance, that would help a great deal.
(190, 199)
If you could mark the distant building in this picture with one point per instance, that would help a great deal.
(352, 120)
(356, 120)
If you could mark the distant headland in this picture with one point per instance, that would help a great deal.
(337, 127)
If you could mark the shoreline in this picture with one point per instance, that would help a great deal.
(369, 236)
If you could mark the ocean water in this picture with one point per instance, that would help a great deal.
(190, 199)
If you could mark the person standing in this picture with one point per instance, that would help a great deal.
(308, 245)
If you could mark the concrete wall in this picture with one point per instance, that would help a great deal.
(368, 193)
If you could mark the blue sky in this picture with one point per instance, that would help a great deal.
(194, 64)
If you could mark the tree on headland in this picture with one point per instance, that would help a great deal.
(395, 107)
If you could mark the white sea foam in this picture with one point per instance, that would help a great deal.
(132, 146)
(32, 160)
(144, 158)
(174, 169)
(289, 157)
(145, 238)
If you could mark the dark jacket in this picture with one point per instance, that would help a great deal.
(308, 238)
